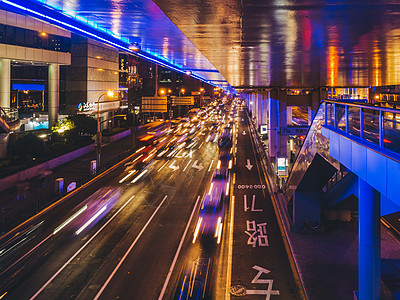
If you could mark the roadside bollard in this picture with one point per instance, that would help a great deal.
(59, 187)
(93, 167)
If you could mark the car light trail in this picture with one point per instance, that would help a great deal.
(227, 189)
(79, 251)
(219, 164)
(230, 164)
(219, 233)
(139, 176)
(217, 227)
(160, 297)
(161, 153)
(212, 184)
(127, 176)
(91, 220)
(140, 149)
(129, 250)
(65, 223)
(147, 137)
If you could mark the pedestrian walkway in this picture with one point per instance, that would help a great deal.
(20, 202)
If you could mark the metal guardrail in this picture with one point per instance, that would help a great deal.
(379, 126)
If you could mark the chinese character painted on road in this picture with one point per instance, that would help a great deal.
(257, 233)
(253, 203)
(269, 291)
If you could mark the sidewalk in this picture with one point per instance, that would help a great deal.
(20, 202)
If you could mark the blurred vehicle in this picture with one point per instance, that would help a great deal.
(225, 161)
(211, 215)
(225, 140)
(195, 281)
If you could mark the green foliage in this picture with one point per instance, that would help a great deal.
(84, 124)
(63, 126)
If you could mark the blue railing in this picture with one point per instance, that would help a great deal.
(377, 126)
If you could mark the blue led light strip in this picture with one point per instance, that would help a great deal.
(155, 59)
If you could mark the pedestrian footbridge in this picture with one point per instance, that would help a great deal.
(351, 150)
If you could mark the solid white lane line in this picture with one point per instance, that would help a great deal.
(163, 166)
(128, 251)
(187, 165)
(79, 251)
(177, 251)
(210, 166)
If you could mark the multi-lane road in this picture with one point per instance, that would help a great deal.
(129, 235)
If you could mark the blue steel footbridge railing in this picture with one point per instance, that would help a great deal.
(375, 127)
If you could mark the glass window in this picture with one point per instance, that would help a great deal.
(2, 33)
(10, 35)
(20, 36)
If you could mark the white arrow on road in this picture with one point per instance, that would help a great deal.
(244, 132)
(198, 167)
(173, 167)
(248, 166)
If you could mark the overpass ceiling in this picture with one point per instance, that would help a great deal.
(255, 43)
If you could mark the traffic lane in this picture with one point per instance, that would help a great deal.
(48, 259)
(87, 191)
(24, 257)
(260, 262)
(142, 274)
(55, 241)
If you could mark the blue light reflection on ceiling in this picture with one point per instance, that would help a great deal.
(142, 21)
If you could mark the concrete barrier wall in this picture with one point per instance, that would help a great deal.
(116, 137)
(12, 180)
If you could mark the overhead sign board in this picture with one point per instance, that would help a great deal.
(182, 100)
(294, 130)
(154, 104)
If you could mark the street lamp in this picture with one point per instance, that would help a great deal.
(182, 90)
(109, 93)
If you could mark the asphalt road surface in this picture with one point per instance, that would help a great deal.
(129, 235)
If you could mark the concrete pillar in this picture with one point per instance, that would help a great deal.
(265, 118)
(282, 150)
(5, 82)
(289, 115)
(273, 125)
(54, 94)
(369, 244)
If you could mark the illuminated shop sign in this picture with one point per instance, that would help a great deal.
(86, 106)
